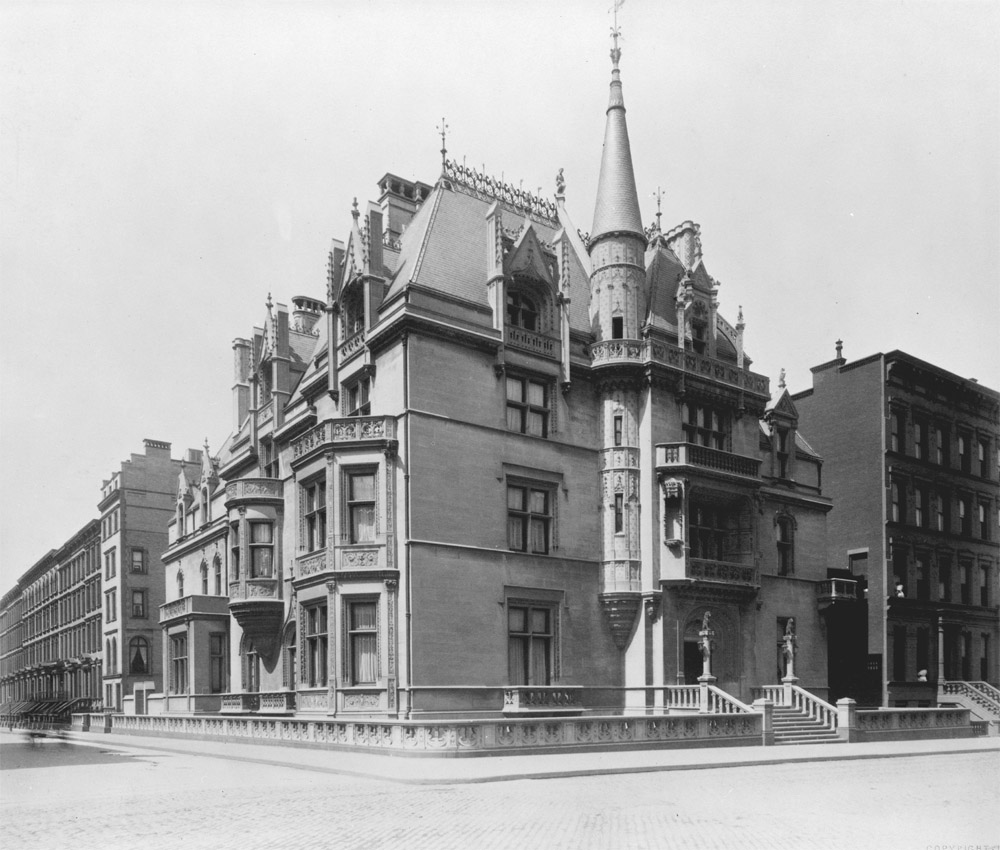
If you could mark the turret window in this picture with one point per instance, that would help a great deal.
(617, 327)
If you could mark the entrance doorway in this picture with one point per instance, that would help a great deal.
(692, 662)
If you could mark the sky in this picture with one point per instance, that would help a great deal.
(165, 166)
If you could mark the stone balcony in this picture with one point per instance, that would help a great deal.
(614, 352)
(254, 490)
(256, 604)
(353, 431)
(722, 572)
(672, 458)
(535, 343)
(193, 607)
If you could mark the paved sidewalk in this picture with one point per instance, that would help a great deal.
(452, 771)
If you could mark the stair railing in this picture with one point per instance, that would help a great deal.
(719, 702)
(987, 689)
(814, 707)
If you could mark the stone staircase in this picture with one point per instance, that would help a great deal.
(794, 726)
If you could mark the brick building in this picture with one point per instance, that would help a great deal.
(137, 501)
(50, 633)
(499, 463)
(912, 467)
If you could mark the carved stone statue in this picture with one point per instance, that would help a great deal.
(560, 183)
(706, 623)
(789, 641)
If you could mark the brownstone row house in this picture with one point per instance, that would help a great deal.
(912, 460)
(498, 455)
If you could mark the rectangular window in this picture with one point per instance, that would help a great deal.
(965, 517)
(110, 566)
(217, 662)
(139, 603)
(941, 446)
(899, 653)
(357, 397)
(984, 658)
(361, 506)
(618, 430)
(529, 519)
(138, 561)
(178, 664)
(268, 460)
(111, 606)
(919, 506)
(528, 406)
(898, 502)
(315, 515)
(705, 426)
(964, 457)
(234, 543)
(919, 440)
(984, 453)
(900, 564)
(964, 571)
(362, 640)
(966, 655)
(984, 529)
(923, 650)
(897, 431)
(984, 585)
(942, 511)
(316, 645)
(708, 532)
(529, 644)
(617, 327)
(261, 550)
(923, 582)
(944, 580)
(619, 513)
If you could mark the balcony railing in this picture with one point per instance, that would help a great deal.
(251, 489)
(722, 571)
(530, 341)
(352, 345)
(837, 590)
(253, 588)
(351, 429)
(193, 606)
(669, 455)
(614, 351)
(535, 700)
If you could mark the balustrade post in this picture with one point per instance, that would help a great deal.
(765, 707)
(847, 710)
(706, 678)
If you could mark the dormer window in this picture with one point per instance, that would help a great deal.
(698, 337)
(782, 453)
(353, 311)
(522, 311)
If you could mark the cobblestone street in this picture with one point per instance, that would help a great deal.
(87, 796)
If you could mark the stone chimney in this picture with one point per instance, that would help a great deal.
(306, 313)
(241, 381)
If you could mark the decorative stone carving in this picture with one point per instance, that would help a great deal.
(360, 558)
(620, 610)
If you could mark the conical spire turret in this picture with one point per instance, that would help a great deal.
(617, 207)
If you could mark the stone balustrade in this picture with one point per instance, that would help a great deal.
(253, 490)
(194, 605)
(529, 341)
(670, 456)
(642, 351)
(722, 571)
(837, 590)
(353, 429)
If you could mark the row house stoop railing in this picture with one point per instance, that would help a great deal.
(979, 696)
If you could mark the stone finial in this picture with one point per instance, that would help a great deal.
(840, 349)
(781, 378)
(560, 184)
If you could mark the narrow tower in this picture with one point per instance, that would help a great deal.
(617, 307)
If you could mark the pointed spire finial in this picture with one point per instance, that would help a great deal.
(269, 302)
(443, 130)
(658, 194)
(616, 33)
(781, 378)
(354, 209)
(739, 319)
(560, 185)
(206, 445)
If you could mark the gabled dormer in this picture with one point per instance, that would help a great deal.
(782, 422)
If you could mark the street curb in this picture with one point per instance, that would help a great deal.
(521, 775)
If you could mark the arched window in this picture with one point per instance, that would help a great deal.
(522, 311)
(785, 534)
(204, 578)
(217, 565)
(180, 584)
(138, 654)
